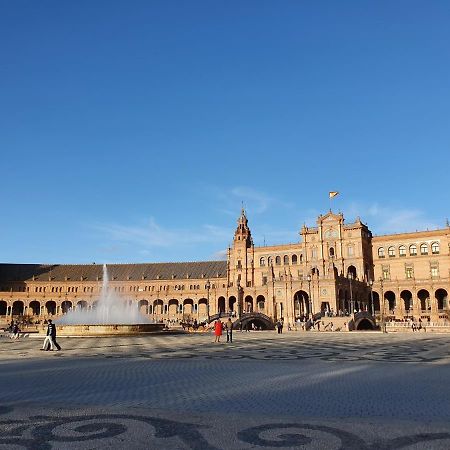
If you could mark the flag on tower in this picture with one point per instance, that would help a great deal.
(333, 194)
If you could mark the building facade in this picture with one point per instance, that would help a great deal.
(335, 267)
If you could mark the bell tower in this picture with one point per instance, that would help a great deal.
(243, 235)
(242, 255)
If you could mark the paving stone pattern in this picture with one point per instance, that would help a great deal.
(296, 390)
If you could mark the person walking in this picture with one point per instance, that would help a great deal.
(15, 332)
(218, 328)
(229, 328)
(53, 334)
(48, 341)
(50, 338)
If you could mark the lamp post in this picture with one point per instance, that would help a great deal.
(238, 284)
(309, 293)
(383, 328)
(208, 287)
(371, 296)
(350, 278)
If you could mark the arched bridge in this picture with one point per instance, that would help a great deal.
(364, 321)
(260, 320)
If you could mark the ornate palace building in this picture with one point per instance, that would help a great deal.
(335, 267)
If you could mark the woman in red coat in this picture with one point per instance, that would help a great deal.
(218, 328)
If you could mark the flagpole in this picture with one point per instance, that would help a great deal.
(331, 195)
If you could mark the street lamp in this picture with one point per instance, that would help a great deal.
(238, 285)
(309, 293)
(208, 287)
(350, 278)
(383, 328)
(371, 296)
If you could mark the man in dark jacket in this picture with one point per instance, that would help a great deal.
(53, 334)
(50, 339)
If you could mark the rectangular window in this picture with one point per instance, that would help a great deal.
(434, 272)
(386, 273)
(264, 280)
(409, 272)
(350, 251)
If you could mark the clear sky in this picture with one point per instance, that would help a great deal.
(131, 131)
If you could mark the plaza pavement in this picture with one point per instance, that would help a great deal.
(297, 390)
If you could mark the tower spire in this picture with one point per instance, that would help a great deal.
(243, 233)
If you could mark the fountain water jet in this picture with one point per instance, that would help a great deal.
(111, 315)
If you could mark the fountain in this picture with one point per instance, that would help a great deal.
(111, 316)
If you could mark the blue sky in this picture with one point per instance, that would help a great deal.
(131, 131)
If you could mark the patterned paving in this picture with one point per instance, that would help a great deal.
(296, 390)
(395, 347)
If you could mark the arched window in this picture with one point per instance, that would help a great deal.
(402, 250)
(278, 260)
(435, 248)
(294, 259)
(381, 252)
(424, 249)
(332, 252)
(301, 257)
(269, 260)
(286, 260)
(413, 250)
(391, 252)
(262, 262)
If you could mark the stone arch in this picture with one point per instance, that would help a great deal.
(50, 306)
(232, 303)
(390, 297)
(364, 324)
(261, 303)
(203, 308)
(18, 308)
(66, 306)
(143, 306)
(260, 321)
(248, 304)
(301, 303)
(158, 306)
(406, 296)
(188, 306)
(221, 305)
(441, 299)
(3, 308)
(351, 271)
(424, 298)
(35, 308)
(173, 307)
(376, 301)
(82, 304)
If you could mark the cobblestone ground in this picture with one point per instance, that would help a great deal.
(296, 390)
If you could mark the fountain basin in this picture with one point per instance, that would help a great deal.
(107, 329)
